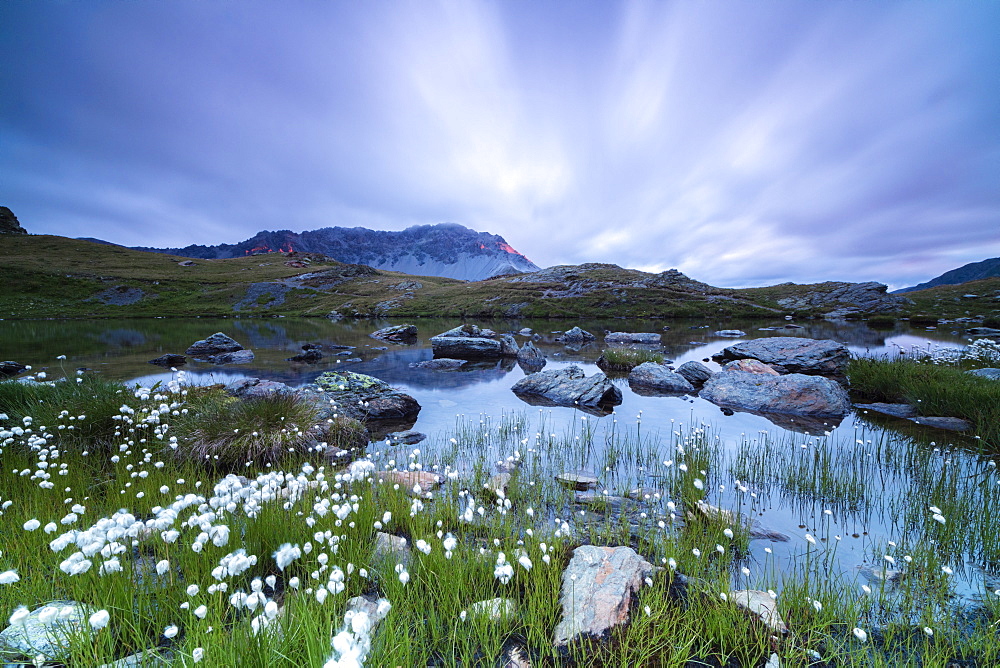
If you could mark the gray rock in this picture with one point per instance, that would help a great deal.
(361, 397)
(396, 334)
(576, 335)
(439, 364)
(8, 369)
(213, 345)
(599, 586)
(376, 610)
(150, 658)
(530, 358)
(754, 386)
(731, 332)
(238, 357)
(254, 388)
(653, 376)
(408, 437)
(990, 374)
(568, 387)
(847, 299)
(983, 331)
(945, 423)
(791, 354)
(580, 481)
(896, 410)
(389, 547)
(646, 338)
(508, 346)
(169, 360)
(761, 605)
(498, 484)
(525, 331)
(31, 637)
(696, 373)
(466, 347)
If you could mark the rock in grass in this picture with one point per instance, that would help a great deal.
(8, 369)
(396, 334)
(410, 479)
(495, 609)
(792, 354)
(254, 388)
(696, 373)
(568, 387)
(656, 377)
(167, 360)
(389, 547)
(498, 484)
(750, 385)
(760, 605)
(645, 338)
(990, 374)
(599, 586)
(150, 658)
(32, 637)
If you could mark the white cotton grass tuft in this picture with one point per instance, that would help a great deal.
(99, 620)
(286, 554)
(9, 577)
(860, 634)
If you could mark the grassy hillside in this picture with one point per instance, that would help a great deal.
(951, 301)
(47, 276)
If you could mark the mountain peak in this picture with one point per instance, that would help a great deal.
(446, 249)
(973, 271)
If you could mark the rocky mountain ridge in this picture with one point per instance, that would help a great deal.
(448, 250)
(974, 271)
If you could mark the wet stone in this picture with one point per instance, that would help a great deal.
(580, 481)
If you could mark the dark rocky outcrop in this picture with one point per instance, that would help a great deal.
(362, 397)
(8, 369)
(308, 356)
(169, 360)
(650, 376)
(751, 385)
(599, 587)
(846, 299)
(791, 354)
(696, 373)
(9, 223)
(397, 334)
(569, 387)
(644, 338)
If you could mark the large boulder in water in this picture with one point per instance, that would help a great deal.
(396, 334)
(471, 342)
(568, 387)
(653, 378)
(695, 372)
(214, 345)
(791, 354)
(751, 385)
(362, 397)
(576, 335)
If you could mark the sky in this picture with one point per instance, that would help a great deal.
(742, 142)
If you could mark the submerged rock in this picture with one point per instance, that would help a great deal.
(656, 377)
(396, 334)
(439, 364)
(31, 637)
(568, 387)
(731, 332)
(791, 354)
(646, 338)
(579, 481)
(945, 423)
(408, 437)
(599, 586)
(308, 355)
(754, 386)
(895, 410)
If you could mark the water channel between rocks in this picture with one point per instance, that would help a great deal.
(479, 397)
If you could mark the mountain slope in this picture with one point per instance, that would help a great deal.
(974, 271)
(448, 250)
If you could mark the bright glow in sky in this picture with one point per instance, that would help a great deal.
(744, 143)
